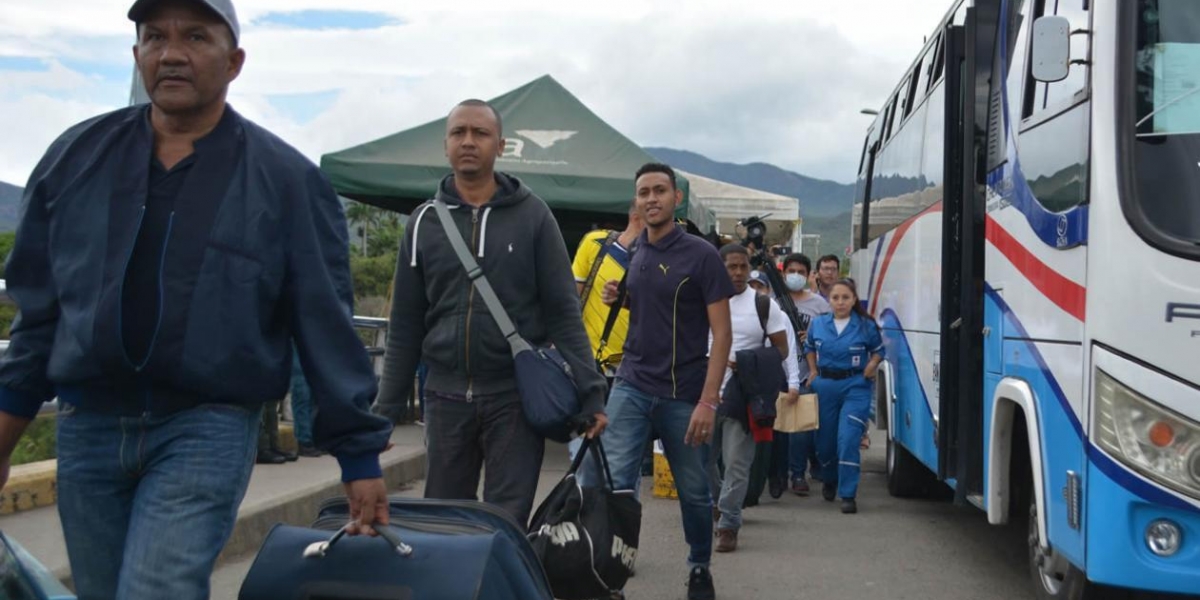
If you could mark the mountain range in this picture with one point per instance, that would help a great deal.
(824, 205)
(10, 206)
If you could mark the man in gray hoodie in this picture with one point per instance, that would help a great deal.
(473, 414)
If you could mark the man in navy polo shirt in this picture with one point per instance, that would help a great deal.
(678, 291)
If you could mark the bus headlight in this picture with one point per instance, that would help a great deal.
(1146, 436)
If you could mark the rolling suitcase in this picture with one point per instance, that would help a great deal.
(432, 549)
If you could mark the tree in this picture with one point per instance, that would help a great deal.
(8, 310)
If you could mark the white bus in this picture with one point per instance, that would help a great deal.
(1027, 233)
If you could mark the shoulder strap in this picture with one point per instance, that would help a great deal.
(762, 305)
(591, 278)
(475, 276)
(613, 311)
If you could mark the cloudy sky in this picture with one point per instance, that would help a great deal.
(743, 81)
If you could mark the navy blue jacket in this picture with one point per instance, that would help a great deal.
(256, 256)
(754, 385)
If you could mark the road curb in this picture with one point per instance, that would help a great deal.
(35, 485)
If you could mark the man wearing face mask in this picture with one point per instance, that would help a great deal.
(792, 452)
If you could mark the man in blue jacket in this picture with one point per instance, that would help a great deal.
(166, 257)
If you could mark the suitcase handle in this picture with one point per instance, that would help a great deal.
(320, 549)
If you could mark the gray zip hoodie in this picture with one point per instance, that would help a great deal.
(438, 316)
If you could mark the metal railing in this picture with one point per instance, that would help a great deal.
(376, 327)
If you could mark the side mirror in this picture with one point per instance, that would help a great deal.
(1051, 57)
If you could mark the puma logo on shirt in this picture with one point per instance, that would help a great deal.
(663, 267)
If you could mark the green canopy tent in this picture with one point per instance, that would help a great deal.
(572, 159)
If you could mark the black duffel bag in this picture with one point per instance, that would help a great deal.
(587, 537)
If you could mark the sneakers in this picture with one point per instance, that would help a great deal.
(800, 487)
(828, 491)
(726, 540)
(776, 487)
(700, 585)
(311, 451)
(849, 506)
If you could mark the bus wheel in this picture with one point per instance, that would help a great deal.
(906, 476)
(1054, 577)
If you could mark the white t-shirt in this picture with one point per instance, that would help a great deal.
(841, 324)
(747, 332)
(790, 364)
(812, 306)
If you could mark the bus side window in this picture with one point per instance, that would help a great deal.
(1065, 92)
(1054, 97)
(1052, 147)
(928, 63)
(888, 119)
(1054, 159)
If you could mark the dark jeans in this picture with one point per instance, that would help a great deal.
(302, 409)
(268, 434)
(489, 432)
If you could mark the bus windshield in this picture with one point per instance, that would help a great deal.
(1167, 152)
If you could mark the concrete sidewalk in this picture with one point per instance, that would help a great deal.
(286, 493)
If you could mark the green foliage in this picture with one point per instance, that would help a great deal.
(37, 443)
(376, 235)
(8, 311)
(7, 239)
(372, 275)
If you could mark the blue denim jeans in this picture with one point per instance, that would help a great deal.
(302, 412)
(632, 417)
(845, 406)
(147, 503)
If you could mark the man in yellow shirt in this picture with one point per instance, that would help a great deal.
(603, 256)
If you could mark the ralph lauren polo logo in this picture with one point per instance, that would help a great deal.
(664, 268)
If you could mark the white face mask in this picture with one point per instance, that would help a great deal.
(795, 282)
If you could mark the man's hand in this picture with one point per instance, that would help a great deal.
(368, 505)
(700, 429)
(600, 421)
(608, 295)
(793, 396)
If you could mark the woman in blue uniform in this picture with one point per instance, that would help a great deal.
(843, 350)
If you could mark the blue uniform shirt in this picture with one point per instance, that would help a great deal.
(849, 351)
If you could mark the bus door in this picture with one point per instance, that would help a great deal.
(968, 50)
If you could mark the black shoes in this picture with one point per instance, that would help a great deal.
(849, 506)
(700, 585)
(311, 451)
(270, 457)
(776, 487)
(828, 491)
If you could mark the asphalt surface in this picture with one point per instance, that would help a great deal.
(795, 548)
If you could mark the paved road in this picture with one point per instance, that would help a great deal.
(797, 548)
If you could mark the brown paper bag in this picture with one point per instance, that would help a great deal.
(798, 417)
